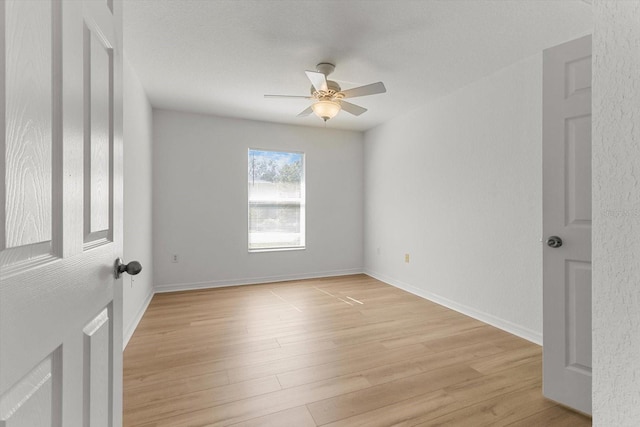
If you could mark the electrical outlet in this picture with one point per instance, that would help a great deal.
(406, 258)
(174, 258)
(378, 250)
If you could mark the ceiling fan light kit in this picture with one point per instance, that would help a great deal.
(329, 96)
(326, 109)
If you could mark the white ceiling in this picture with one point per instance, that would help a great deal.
(221, 56)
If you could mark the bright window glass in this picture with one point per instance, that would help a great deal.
(276, 200)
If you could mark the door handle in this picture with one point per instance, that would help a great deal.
(133, 268)
(554, 242)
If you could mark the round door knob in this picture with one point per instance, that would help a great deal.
(554, 242)
(133, 268)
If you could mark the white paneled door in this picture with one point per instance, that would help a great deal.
(60, 213)
(567, 224)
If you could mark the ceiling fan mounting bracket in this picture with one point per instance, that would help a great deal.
(325, 68)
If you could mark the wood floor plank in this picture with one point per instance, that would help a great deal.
(435, 330)
(308, 362)
(196, 355)
(498, 384)
(339, 351)
(404, 413)
(480, 334)
(556, 416)
(348, 366)
(145, 393)
(140, 408)
(508, 359)
(295, 417)
(157, 374)
(259, 406)
(498, 411)
(357, 402)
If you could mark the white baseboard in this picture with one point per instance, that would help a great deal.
(136, 320)
(505, 325)
(176, 287)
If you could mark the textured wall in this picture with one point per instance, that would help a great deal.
(457, 184)
(616, 213)
(200, 201)
(137, 200)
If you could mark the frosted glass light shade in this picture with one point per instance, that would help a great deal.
(326, 109)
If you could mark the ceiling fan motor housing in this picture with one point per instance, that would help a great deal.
(333, 88)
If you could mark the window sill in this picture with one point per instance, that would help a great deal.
(301, 248)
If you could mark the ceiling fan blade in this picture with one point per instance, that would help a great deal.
(371, 89)
(354, 109)
(306, 112)
(318, 80)
(288, 96)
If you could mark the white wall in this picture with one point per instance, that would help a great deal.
(616, 213)
(200, 201)
(138, 290)
(457, 184)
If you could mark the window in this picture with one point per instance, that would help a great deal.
(276, 200)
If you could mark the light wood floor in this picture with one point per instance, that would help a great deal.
(344, 351)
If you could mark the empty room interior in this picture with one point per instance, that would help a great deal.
(436, 190)
(349, 213)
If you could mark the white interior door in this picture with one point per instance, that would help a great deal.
(60, 213)
(567, 215)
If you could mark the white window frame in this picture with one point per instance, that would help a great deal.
(301, 201)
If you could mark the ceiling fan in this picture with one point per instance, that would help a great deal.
(329, 97)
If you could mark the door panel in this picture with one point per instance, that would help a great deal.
(98, 97)
(60, 175)
(27, 216)
(578, 177)
(567, 214)
(28, 127)
(97, 370)
(578, 291)
(31, 402)
(578, 77)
